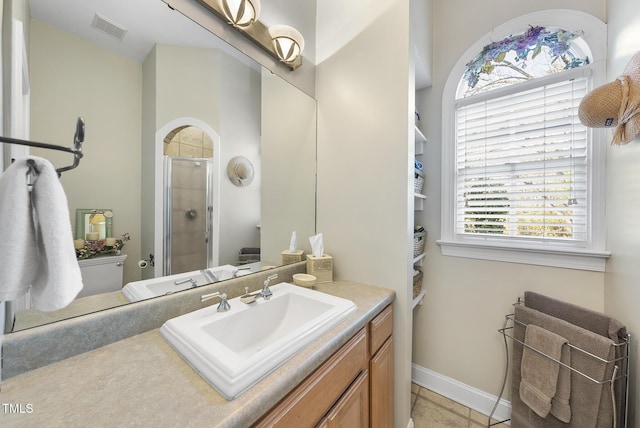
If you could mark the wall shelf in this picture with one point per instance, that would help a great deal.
(418, 299)
(420, 140)
(419, 201)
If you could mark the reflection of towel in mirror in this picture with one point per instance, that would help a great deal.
(36, 245)
(541, 386)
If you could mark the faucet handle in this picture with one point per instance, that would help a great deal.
(193, 282)
(266, 292)
(224, 304)
(270, 278)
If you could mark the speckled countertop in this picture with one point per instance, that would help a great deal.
(142, 381)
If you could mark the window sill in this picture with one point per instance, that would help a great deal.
(563, 258)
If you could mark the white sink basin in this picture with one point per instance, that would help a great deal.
(154, 287)
(233, 350)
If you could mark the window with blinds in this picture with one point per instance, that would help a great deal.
(521, 163)
(522, 178)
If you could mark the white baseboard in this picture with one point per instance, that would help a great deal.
(457, 391)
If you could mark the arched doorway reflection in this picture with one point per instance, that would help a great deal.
(189, 162)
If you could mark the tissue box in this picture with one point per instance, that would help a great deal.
(289, 257)
(320, 267)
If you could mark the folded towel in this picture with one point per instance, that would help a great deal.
(590, 402)
(596, 322)
(560, 404)
(540, 374)
(36, 248)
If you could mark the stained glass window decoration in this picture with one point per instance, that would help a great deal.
(537, 52)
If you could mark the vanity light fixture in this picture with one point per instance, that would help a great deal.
(241, 13)
(281, 41)
(287, 42)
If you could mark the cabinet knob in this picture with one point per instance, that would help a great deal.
(119, 264)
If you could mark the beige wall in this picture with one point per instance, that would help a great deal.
(288, 154)
(217, 89)
(187, 84)
(147, 161)
(71, 78)
(622, 292)
(365, 109)
(455, 331)
(13, 12)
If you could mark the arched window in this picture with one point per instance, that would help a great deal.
(523, 177)
(534, 53)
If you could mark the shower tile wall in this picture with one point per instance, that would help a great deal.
(188, 216)
(190, 142)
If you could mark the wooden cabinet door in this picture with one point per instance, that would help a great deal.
(310, 401)
(352, 410)
(381, 372)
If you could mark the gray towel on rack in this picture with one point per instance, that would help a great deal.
(540, 382)
(590, 401)
(561, 404)
(36, 248)
(596, 322)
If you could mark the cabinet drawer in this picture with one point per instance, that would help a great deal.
(352, 410)
(380, 328)
(307, 404)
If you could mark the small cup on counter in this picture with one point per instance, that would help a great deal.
(304, 280)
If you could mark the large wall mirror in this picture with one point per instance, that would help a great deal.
(168, 89)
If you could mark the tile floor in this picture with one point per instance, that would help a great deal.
(430, 410)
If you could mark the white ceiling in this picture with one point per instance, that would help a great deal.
(147, 22)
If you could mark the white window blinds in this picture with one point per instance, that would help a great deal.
(522, 164)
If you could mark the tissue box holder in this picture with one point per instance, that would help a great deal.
(320, 267)
(289, 257)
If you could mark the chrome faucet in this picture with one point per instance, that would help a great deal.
(224, 304)
(193, 282)
(208, 273)
(266, 292)
(235, 271)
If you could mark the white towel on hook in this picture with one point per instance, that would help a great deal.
(36, 243)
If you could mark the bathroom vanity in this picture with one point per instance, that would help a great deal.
(345, 375)
(352, 388)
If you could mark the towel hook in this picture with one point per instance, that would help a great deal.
(32, 173)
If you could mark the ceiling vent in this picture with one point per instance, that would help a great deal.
(108, 27)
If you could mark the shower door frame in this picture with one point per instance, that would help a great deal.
(159, 217)
(211, 249)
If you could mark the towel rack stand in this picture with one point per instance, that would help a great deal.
(76, 150)
(620, 370)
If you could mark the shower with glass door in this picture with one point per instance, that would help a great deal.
(188, 211)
